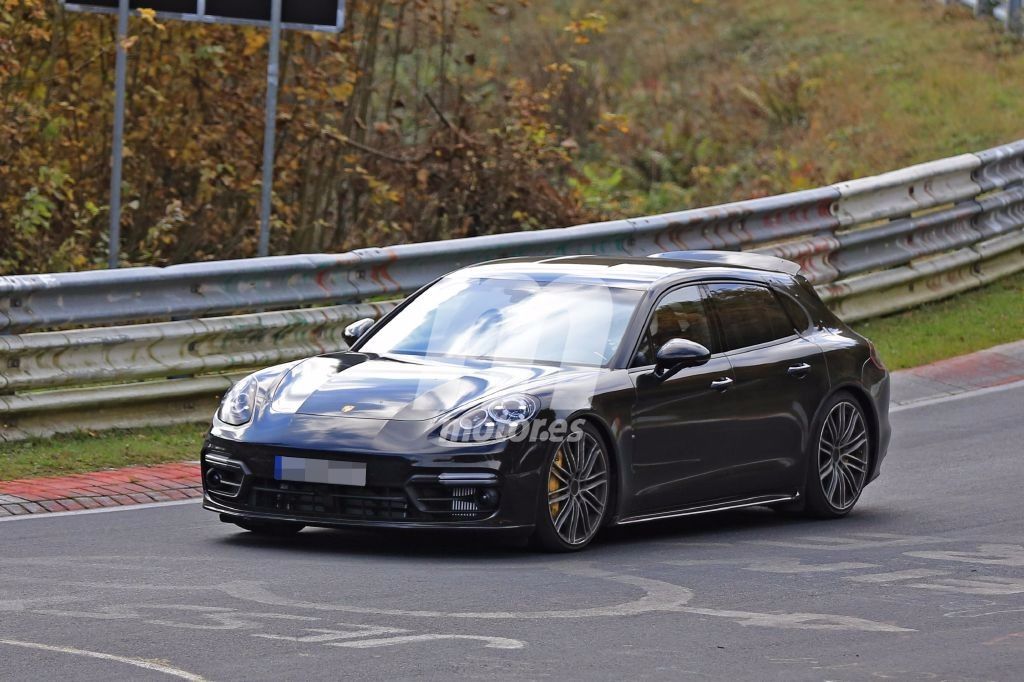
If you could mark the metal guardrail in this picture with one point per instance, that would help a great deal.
(1007, 11)
(871, 246)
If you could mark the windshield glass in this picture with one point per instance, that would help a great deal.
(516, 319)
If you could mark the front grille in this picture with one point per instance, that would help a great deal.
(330, 501)
(244, 483)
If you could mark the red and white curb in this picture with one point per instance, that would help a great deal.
(998, 368)
(101, 489)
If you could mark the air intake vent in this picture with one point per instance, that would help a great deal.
(465, 500)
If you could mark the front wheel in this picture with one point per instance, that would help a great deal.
(577, 483)
(839, 458)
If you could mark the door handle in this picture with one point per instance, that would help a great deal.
(801, 370)
(722, 384)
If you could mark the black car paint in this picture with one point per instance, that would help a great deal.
(675, 445)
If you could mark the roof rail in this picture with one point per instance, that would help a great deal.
(732, 259)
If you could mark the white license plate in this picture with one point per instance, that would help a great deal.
(303, 470)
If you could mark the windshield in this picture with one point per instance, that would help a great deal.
(516, 319)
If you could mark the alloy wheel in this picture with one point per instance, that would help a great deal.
(843, 455)
(578, 489)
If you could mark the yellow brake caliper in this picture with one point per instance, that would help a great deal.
(554, 484)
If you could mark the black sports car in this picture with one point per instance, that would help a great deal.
(555, 396)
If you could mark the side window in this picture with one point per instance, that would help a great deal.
(750, 315)
(680, 314)
(797, 315)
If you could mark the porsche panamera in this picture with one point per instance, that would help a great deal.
(556, 396)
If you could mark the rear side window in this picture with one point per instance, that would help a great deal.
(797, 315)
(750, 315)
(680, 314)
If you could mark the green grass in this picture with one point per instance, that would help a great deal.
(77, 453)
(963, 324)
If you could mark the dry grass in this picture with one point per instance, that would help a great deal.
(731, 99)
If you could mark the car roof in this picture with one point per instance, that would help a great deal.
(631, 272)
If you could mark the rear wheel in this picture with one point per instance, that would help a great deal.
(574, 503)
(276, 529)
(839, 458)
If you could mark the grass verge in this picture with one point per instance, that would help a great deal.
(971, 321)
(81, 452)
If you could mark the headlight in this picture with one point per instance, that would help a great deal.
(238, 405)
(495, 420)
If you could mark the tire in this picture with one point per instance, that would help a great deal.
(574, 501)
(271, 529)
(839, 458)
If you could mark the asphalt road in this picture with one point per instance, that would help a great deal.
(924, 581)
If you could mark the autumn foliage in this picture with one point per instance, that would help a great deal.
(387, 132)
(435, 119)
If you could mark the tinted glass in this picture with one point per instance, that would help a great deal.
(510, 319)
(797, 315)
(679, 315)
(750, 315)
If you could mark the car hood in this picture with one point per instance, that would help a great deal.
(395, 388)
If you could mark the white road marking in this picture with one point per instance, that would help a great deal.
(795, 566)
(799, 621)
(978, 612)
(217, 617)
(228, 621)
(23, 604)
(783, 565)
(104, 613)
(693, 544)
(988, 585)
(850, 542)
(956, 396)
(490, 642)
(101, 510)
(137, 662)
(896, 576)
(996, 555)
(369, 636)
(324, 635)
(658, 596)
(107, 564)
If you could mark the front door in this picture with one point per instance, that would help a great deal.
(682, 426)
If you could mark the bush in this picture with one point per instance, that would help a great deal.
(386, 133)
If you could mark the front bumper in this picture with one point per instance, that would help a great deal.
(441, 491)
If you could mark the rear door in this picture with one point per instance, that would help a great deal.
(780, 379)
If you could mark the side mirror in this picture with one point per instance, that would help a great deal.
(356, 330)
(677, 354)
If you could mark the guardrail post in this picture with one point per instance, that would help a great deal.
(1013, 17)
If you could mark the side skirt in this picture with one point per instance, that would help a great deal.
(709, 508)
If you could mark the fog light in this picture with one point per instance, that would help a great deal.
(489, 498)
(214, 478)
